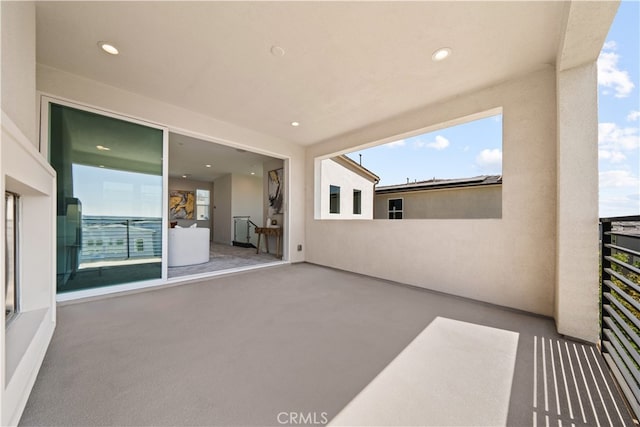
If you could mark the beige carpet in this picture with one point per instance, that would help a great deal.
(224, 257)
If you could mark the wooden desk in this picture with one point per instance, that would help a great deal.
(270, 231)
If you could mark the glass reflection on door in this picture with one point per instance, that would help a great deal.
(110, 187)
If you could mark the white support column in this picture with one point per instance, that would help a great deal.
(576, 296)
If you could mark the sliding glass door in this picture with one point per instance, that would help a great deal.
(110, 198)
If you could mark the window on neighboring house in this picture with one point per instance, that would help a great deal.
(10, 256)
(334, 199)
(395, 208)
(202, 204)
(357, 202)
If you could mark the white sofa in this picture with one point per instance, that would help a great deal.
(188, 246)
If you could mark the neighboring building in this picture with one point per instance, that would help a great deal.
(477, 197)
(119, 241)
(346, 188)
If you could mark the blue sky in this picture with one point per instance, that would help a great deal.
(619, 115)
(475, 148)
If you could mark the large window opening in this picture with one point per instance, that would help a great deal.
(453, 172)
(11, 255)
(110, 187)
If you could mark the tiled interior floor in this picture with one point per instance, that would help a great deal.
(224, 257)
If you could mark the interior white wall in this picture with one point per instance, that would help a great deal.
(247, 199)
(296, 205)
(79, 89)
(508, 261)
(19, 65)
(222, 222)
(332, 173)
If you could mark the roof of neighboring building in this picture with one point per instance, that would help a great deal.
(353, 166)
(434, 184)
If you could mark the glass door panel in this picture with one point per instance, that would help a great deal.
(109, 188)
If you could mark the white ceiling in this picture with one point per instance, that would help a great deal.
(189, 156)
(347, 64)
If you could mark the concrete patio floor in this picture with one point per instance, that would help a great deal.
(299, 339)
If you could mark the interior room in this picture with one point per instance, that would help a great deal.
(222, 192)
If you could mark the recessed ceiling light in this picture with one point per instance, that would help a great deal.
(277, 51)
(207, 166)
(109, 48)
(295, 124)
(253, 173)
(101, 166)
(103, 148)
(184, 176)
(441, 54)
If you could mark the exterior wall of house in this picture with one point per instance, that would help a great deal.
(576, 295)
(508, 261)
(61, 84)
(24, 171)
(332, 173)
(451, 203)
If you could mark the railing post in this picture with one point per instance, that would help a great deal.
(605, 251)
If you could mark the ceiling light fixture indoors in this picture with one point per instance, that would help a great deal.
(295, 124)
(103, 148)
(109, 48)
(207, 166)
(441, 54)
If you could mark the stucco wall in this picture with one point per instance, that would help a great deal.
(508, 261)
(332, 173)
(453, 203)
(79, 89)
(19, 65)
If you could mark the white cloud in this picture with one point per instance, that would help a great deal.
(394, 144)
(619, 205)
(610, 45)
(610, 76)
(490, 160)
(612, 156)
(618, 178)
(613, 137)
(633, 116)
(439, 144)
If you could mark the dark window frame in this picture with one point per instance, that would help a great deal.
(334, 199)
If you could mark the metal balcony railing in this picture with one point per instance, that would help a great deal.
(244, 232)
(620, 303)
